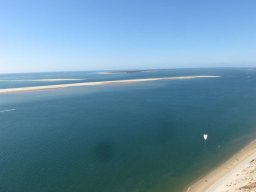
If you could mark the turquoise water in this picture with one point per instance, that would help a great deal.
(142, 137)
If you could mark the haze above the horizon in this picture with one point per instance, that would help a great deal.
(110, 35)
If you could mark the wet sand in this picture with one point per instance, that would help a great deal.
(46, 87)
(238, 174)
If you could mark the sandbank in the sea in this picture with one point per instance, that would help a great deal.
(46, 87)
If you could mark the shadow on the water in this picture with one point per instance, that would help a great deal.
(104, 151)
(165, 131)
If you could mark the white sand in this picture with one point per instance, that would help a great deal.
(238, 174)
(104, 73)
(22, 89)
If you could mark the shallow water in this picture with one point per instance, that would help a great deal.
(142, 137)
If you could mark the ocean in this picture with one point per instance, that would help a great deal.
(134, 137)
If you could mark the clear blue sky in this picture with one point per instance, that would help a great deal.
(56, 35)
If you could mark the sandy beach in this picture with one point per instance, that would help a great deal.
(36, 88)
(238, 174)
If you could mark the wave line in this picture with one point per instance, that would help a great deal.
(7, 110)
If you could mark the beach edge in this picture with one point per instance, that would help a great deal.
(212, 178)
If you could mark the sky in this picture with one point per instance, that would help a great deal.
(73, 35)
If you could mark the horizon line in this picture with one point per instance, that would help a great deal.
(133, 69)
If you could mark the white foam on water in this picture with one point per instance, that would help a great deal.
(7, 110)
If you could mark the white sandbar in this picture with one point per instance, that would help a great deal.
(45, 87)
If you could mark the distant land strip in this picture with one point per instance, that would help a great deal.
(46, 87)
(38, 80)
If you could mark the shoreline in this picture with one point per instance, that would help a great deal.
(46, 87)
(230, 175)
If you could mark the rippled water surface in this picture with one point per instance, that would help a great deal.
(140, 137)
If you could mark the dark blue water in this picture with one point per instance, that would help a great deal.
(142, 137)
